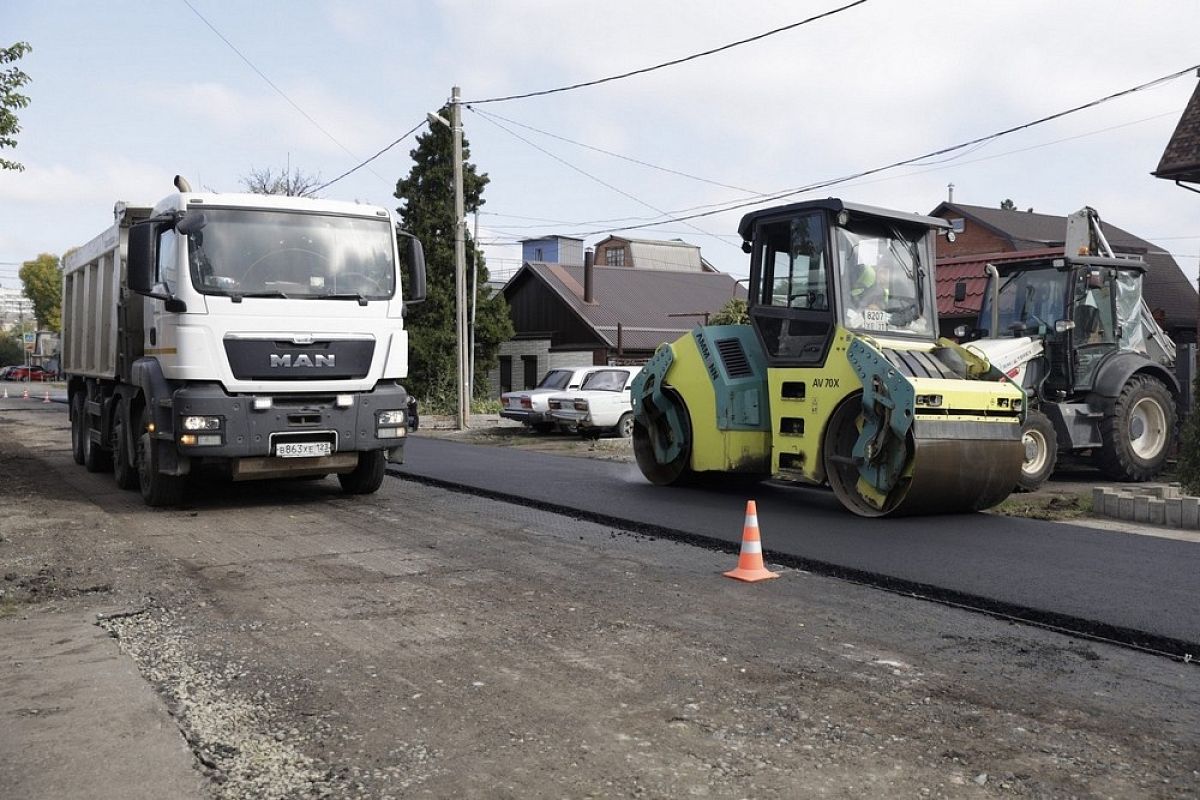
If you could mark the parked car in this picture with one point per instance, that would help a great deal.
(30, 373)
(529, 405)
(602, 404)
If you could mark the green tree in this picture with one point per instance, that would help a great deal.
(1008, 205)
(428, 213)
(42, 278)
(11, 79)
(12, 350)
(735, 312)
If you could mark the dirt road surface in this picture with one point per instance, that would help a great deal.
(294, 643)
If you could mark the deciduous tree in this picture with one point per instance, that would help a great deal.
(292, 183)
(42, 279)
(11, 80)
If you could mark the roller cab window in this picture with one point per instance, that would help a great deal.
(884, 272)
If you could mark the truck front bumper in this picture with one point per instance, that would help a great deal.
(210, 423)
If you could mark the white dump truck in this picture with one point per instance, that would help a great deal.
(260, 335)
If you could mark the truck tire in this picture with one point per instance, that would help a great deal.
(157, 489)
(1136, 436)
(124, 470)
(1041, 451)
(367, 477)
(77, 429)
(95, 457)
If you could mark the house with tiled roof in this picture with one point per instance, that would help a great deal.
(1181, 160)
(583, 314)
(995, 235)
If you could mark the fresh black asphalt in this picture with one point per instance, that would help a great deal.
(1139, 590)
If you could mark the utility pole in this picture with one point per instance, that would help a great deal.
(460, 258)
(474, 303)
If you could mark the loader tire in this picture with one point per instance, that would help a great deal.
(1041, 451)
(1136, 436)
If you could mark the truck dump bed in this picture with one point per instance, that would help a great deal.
(92, 279)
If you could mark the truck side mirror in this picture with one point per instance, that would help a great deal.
(416, 270)
(960, 291)
(139, 258)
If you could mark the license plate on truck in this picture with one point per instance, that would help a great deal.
(303, 449)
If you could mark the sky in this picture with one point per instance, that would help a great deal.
(125, 95)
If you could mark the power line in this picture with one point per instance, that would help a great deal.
(352, 170)
(614, 155)
(588, 174)
(271, 83)
(845, 179)
(671, 63)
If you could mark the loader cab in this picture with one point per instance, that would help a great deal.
(822, 264)
(1078, 307)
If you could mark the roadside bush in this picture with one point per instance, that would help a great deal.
(1189, 450)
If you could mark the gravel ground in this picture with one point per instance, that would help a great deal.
(422, 643)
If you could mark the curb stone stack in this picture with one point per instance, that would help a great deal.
(1150, 504)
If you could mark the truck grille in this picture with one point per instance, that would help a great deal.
(266, 360)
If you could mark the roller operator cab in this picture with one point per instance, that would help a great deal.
(260, 335)
(839, 378)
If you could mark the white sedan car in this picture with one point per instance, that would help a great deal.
(530, 405)
(603, 403)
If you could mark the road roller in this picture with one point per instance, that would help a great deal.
(838, 378)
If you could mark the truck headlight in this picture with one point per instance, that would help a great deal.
(391, 424)
(195, 423)
(394, 417)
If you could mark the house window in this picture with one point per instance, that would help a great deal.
(530, 366)
(614, 257)
(958, 224)
(537, 255)
(505, 374)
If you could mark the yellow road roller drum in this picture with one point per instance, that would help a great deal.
(839, 377)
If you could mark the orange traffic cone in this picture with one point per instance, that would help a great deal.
(46, 399)
(750, 561)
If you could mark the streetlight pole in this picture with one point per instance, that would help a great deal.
(460, 259)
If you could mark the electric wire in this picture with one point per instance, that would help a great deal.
(733, 206)
(272, 84)
(614, 155)
(672, 62)
(586, 174)
(354, 169)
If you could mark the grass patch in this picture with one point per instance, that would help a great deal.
(1052, 507)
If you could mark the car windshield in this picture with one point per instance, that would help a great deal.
(555, 379)
(883, 277)
(243, 253)
(606, 380)
(1030, 302)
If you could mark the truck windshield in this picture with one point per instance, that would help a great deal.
(883, 278)
(243, 253)
(1030, 302)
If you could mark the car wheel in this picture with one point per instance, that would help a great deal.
(367, 477)
(157, 489)
(123, 469)
(625, 425)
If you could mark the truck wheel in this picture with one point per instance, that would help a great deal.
(1041, 451)
(123, 470)
(367, 477)
(95, 457)
(157, 489)
(1137, 435)
(77, 429)
(625, 425)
